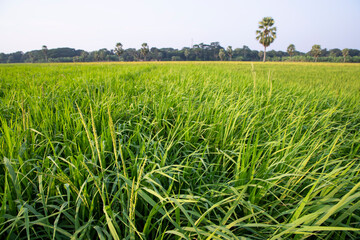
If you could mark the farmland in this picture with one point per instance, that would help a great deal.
(204, 150)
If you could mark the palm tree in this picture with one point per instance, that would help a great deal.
(229, 52)
(222, 54)
(45, 50)
(119, 50)
(267, 33)
(144, 50)
(315, 51)
(291, 50)
(345, 53)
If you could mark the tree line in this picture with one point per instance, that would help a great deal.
(199, 52)
(266, 34)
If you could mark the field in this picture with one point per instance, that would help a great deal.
(180, 151)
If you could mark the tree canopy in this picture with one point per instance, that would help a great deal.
(199, 52)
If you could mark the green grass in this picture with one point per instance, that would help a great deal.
(180, 151)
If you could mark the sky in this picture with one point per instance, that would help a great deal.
(91, 25)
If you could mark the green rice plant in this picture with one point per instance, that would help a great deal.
(201, 150)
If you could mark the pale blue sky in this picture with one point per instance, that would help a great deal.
(90, 25)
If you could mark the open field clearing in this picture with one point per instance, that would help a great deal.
(180, 151)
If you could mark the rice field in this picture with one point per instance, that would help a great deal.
(203, 150)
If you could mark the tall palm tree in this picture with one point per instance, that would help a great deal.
(291, 50)
(119, 50)
(45, 50)
(229, 52)
(315, 51)
(267, 33)
(345, 53)
(144, 50)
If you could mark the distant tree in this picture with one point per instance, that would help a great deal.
(291, 50)
(261, 54)
(144, 50)
(214, 45)
(345, 53)
(354, 52)
(76, 59)
(31, 57)
(197, 51)
(45, 52)
(83, 56)
(155, 53)
(10, 59)
(135, 55)
(119, 50)
(16, 57)
(335, 53)
(3, 58)
(161, 55)
(96, 56)
(222, 54)
(175, 58)
(229, 52)
(187, 53)
(246, 52)
(102, 54)
(324, 52)
(267, 33)
(315, 51)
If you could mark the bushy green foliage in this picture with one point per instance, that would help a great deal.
(180, 151)
(199, 52)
